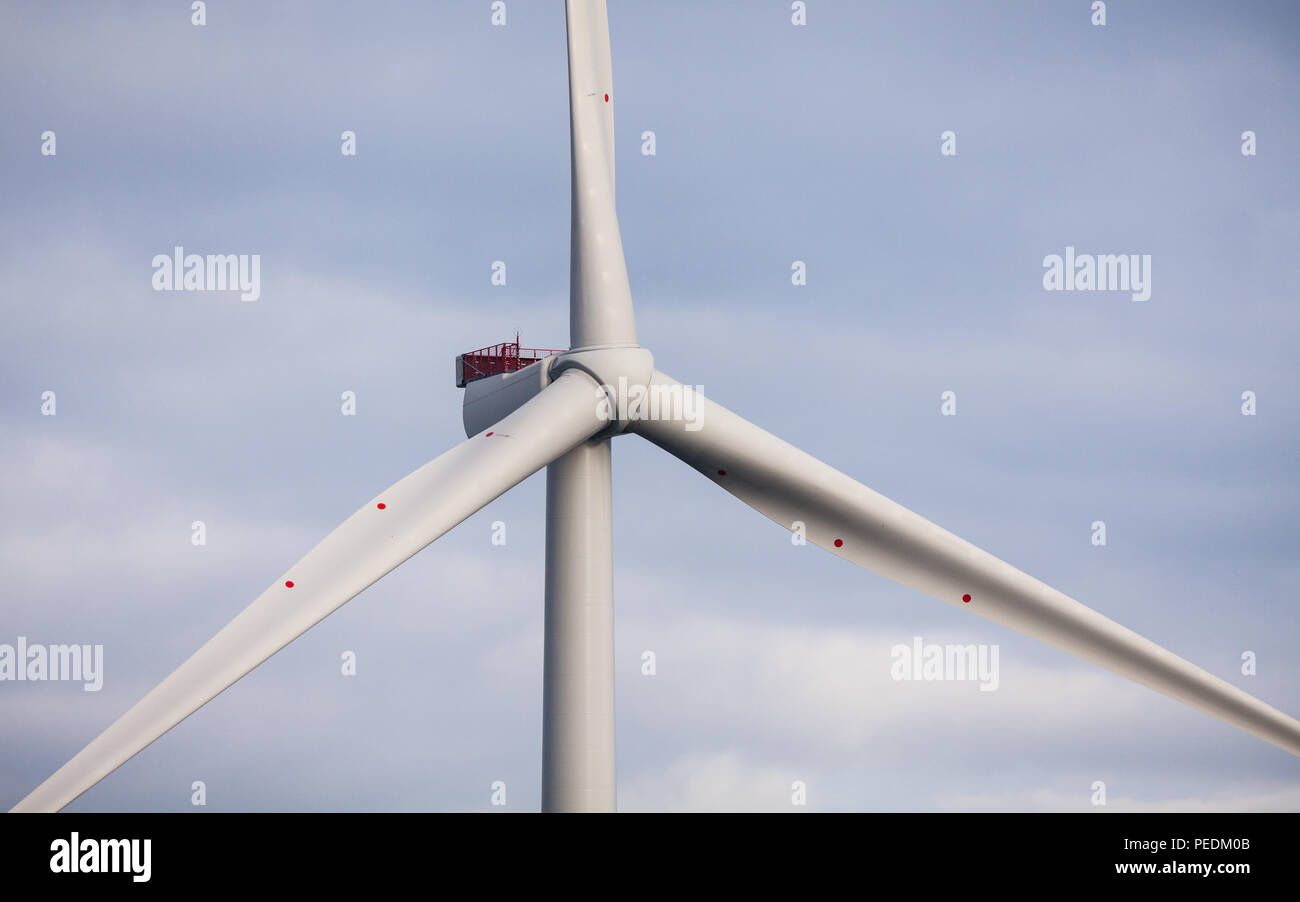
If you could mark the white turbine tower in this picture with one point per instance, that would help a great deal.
(548, 413)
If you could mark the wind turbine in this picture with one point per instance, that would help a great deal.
(561, 412)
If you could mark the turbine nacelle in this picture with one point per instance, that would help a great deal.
(619, 374)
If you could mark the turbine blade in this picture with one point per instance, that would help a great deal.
(600, 301)
(853, 522)
(385, 532)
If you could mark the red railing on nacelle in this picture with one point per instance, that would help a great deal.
(494, 360)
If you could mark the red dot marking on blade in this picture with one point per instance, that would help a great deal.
(486, 435)
(965, 598)
(839, 543)
(722, 472)
(381, 505)
(288, 584)
(607, 98)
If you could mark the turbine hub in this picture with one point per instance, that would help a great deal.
(622, 377)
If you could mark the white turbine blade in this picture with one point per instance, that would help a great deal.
(853, 522)
(385, 532)
(600, 301)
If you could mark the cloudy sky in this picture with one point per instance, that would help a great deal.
(774, 143)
